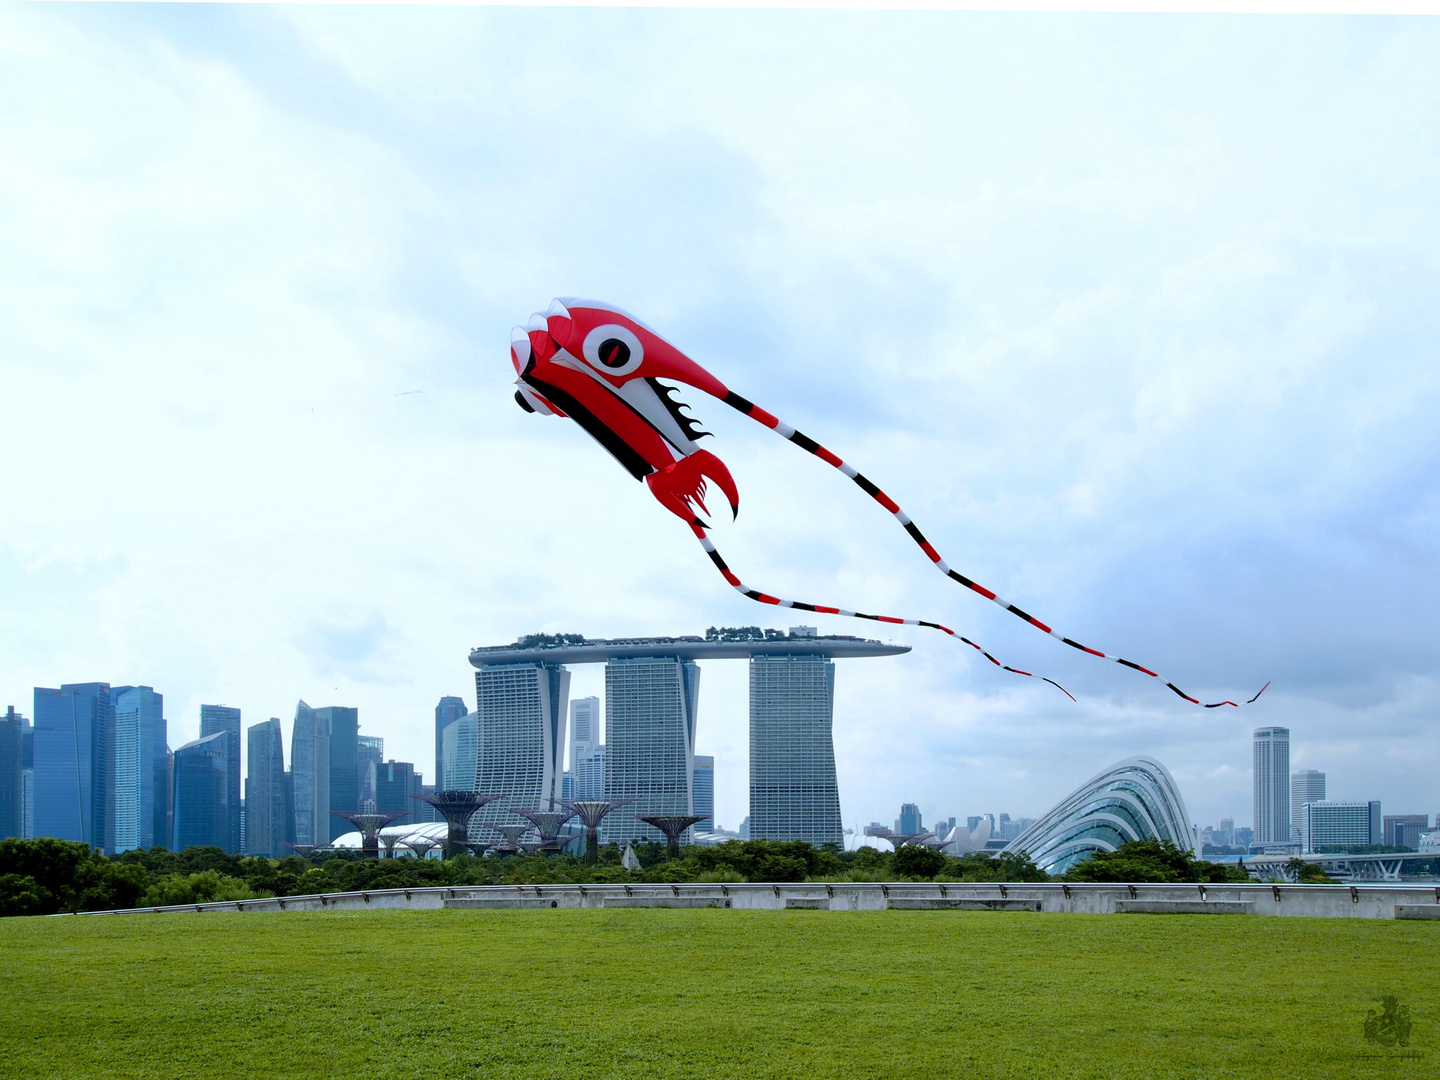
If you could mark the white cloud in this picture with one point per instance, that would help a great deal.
(1133, 315)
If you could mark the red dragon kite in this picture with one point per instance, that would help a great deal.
(602, 368)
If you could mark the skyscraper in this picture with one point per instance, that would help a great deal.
(447, 712)
(27, 778)
(344, 765)
(1342, 823)
(650, 716)
(310, 775)
(395, 783)
(12, 757)
(215, 718)
(369, 753)
(202, 793)
(1307, 785)
(911, 820)
(703, 791)
(587, 755)
(460, 746)
(521, 710)
(74, 762)
(1272, 785)
(269, 818)
(794, 794)
(140, 796)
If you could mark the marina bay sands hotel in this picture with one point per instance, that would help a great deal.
(652, 697)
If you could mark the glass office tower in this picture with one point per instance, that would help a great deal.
(1272, 785)
(215, 718)
(202, 793)
(269, 818)
(310, 775)
(140, 794)
(521, 733)
(650, 713)
(793, 791)
(344, 726)
(74, 728)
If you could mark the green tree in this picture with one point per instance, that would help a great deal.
(915, 861)
(20, 895)
(1151, 860)
(49, 863)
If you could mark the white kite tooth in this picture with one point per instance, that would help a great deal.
(537, 322)
(557, 308)
(520, 342)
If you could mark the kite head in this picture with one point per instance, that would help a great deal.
(602, 368)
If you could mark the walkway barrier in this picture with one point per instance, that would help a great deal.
(1368, 901)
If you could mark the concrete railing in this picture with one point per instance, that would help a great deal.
(1365, 901)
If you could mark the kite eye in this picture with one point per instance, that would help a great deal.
(613, 349)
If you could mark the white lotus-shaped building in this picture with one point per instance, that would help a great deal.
(1134, 799)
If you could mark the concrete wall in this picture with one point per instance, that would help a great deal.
(1366, 901)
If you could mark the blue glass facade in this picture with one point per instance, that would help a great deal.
(215, 718)
(139, 802)
(202, 793)
(73, 763)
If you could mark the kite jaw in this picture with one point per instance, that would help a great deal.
(681, 484)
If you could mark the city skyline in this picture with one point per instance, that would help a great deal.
(1273, 783)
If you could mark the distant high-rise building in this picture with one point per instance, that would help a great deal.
(12, 774)
(1307, 785)
(369, 753)
(310, 773)
(460, 742)
(27, 778)
(1272, 785)
(215, 718)
(203, 813)
(139, 798)
(584, 724)
(589, 773)
(447, 712)
(1403, 830)
(522, 716)
(344, 765)
(587, 755)
(650, 706)
(269, 818)
(1227, 831)
(793, 790)
(912, 821)
(744, 829)
(74, 762)
(703, 789)
(395, 782)
(1342, 823)
(567, 786)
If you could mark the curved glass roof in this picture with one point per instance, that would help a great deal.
(1134, 799)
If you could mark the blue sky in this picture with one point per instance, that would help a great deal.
(1133, 314)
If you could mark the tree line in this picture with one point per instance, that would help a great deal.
(47, 876)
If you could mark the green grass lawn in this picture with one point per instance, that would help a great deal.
(584, 994)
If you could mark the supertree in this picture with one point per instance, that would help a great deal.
(512, 835)
(370, 826)
(457, 808)
(590, 811)
(420, 844)
(672, 825)
(548, 822)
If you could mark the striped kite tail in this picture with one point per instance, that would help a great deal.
(765, 598)
(759, 415)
